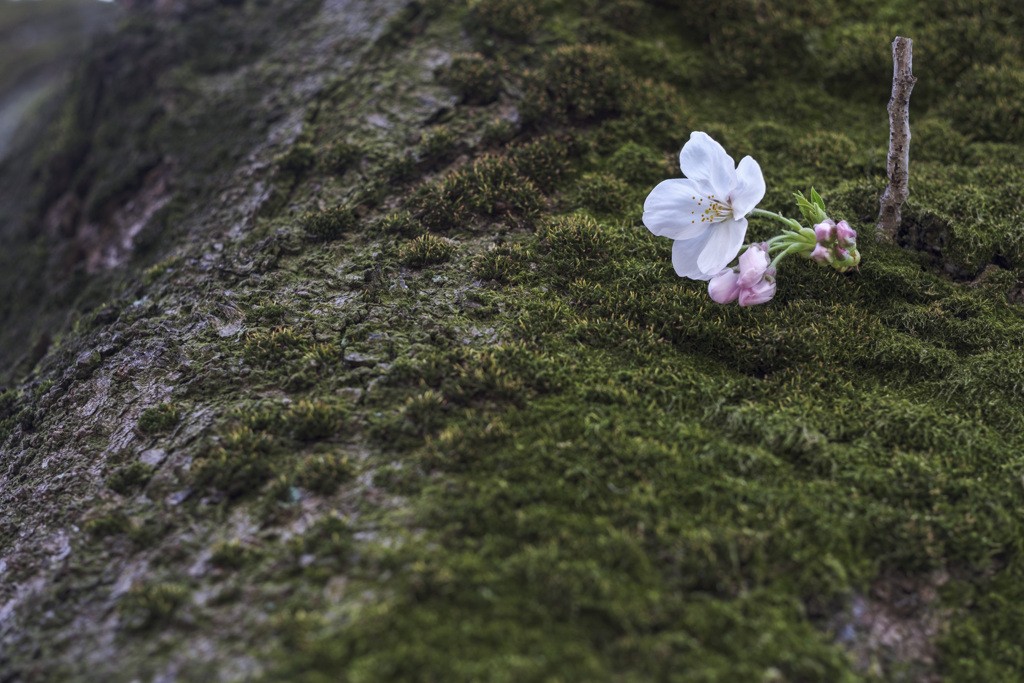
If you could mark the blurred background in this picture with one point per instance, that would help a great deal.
(39, 43)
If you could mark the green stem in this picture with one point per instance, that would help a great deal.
(791, 248)
(770, 214)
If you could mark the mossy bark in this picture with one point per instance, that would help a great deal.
(341, 353)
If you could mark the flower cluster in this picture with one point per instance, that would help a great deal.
(836, 245)
(705, 214)
(751, 282)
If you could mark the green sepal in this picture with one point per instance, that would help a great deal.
(813, 209)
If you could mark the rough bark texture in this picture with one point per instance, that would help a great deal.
(898, 164)
(333, 348)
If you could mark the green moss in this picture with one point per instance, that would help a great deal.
(421, 416)
(130, 478)
(827, 153)
(266, 312)
(399, 168)
(491, 186)
(340, 156)
(323, 474)
(263, 417)
(314, 420)
(936, 140)
(545, 161)
(402, 224)
(498, 132)
(297, 160)
(156, 271)
(329, 225)
(989, 104)
(238, 462)
(645, 465)
(232, 555)
(573, 241)
(426, 250)
(403, 481)
(8, 403)
(502, 262)
(575, 83)
(584, 468)
(159, 418)
(604, 193)
(113, 523)
(281, 344)
(329, 542)
(438, 145)
(504, 18)
(639, 165)
(749, 40)
(151, 605)
(476, 79)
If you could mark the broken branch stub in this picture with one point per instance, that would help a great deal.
(898, 166)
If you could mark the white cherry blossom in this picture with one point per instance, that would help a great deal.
(705, 212)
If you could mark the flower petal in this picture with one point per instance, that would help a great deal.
(703, 159)
(725, 242)
(760, 293)
(753, 263)
(749, 189)
(724, 287)
(685, 253)
(672, 209)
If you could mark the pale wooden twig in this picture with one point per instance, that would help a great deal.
(896, 193)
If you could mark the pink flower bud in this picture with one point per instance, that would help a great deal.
(825, 230)
(724, 287)
(761, 292)
(821, 254)
(847, 235)
(753, 264)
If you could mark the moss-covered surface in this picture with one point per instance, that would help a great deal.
(401, 389)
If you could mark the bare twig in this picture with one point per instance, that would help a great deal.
(899, 139)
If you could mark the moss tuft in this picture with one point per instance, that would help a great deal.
(573, 241)
(545, 161)
(160, 418)
(151, 605)
(576, 83)
(401, 223)
(399, 168)
(491, 186)
(514, 20)
(275, 346)
(297, 160)
(639, 165)
(604, 194)
(113, 523)
(426, 250)
(232, 555)
(325, 226)
(323, 474)
(314, 420)
(503, 263)
(746, 39)
(340, 156)
(989, 103)
(238, 462)
(266, 312)
(324, 550)
(476, 79)
(438, 145)
(130, 478)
